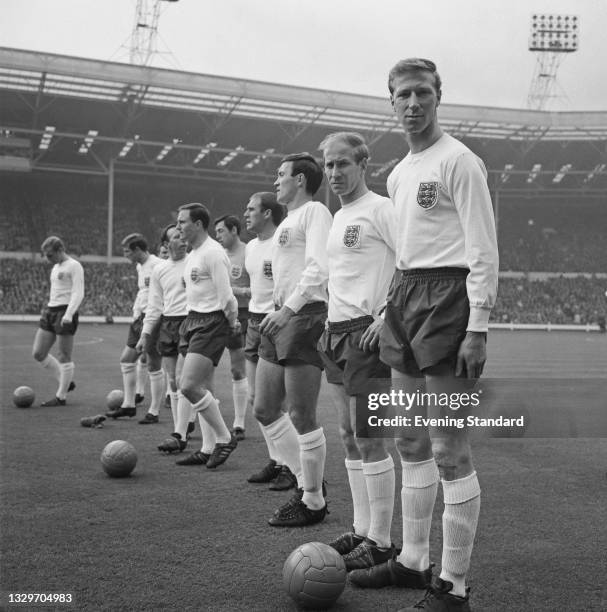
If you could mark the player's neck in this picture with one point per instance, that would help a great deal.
(236, 246)
(301, 198)
(358, 193)
(424, 140)
(266, 233)
(199, 240)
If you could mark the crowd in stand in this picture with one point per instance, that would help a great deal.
(556, 300)
(110, 291)
(533, 236)
(542, 236)
(553, 237)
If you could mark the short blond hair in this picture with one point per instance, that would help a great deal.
(354, 140)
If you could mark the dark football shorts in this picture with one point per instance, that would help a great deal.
(50, 320)
(425, 319)
(204, 333)
(345, 363)
(253, 338)
(238, 341)
(168, 335)
(298, 340)
(135, 329)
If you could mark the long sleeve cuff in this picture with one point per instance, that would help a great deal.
(478, 321)
(148, 326)
(295, 302)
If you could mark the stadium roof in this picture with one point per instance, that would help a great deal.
(81, 115)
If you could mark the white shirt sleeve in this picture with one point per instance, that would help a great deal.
(472, 200)
(317, 223)
(385, 219)
(77, 289)
(137, 306)
(155, 303)
(385, 223)
(225, 295)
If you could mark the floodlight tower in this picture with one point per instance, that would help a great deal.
(552, 36)
(145, 31)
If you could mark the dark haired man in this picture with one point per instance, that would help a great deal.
(436, 321)
(227, 232)
(289, 364)
(59, 319)
(135, 249)
(212, 318)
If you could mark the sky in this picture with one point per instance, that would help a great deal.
(479, 46)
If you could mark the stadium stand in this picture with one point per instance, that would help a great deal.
(111, 290)
(220, 148)
(560, 300)
(75, 209)
(554, 236)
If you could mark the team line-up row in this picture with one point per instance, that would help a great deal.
(397, 287)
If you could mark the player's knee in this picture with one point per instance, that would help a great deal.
(38, 354)
(189, 387)
(262, 415)
(371, 449)
(302, 421)
(351, 447)
(63, 357)
(451, 455)
(237, 372)
(412, 449)
(347, 436)
(154, 363)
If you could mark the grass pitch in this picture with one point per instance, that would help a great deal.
(188, 538)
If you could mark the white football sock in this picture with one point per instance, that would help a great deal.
(157, 391)
(284, 435)
(379, 478)
(240, 394)
(420, 484)
(174, 395)
(66, 373)
(142, 371)
(209, 410)
(313, 453)
(360, 498)
(129, 380)
(208, 435)
(270, 444)
(184, 413)
(460, 518)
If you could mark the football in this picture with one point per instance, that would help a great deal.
(119, 458)
(23, 397)
(114, 399)
(314, 575)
